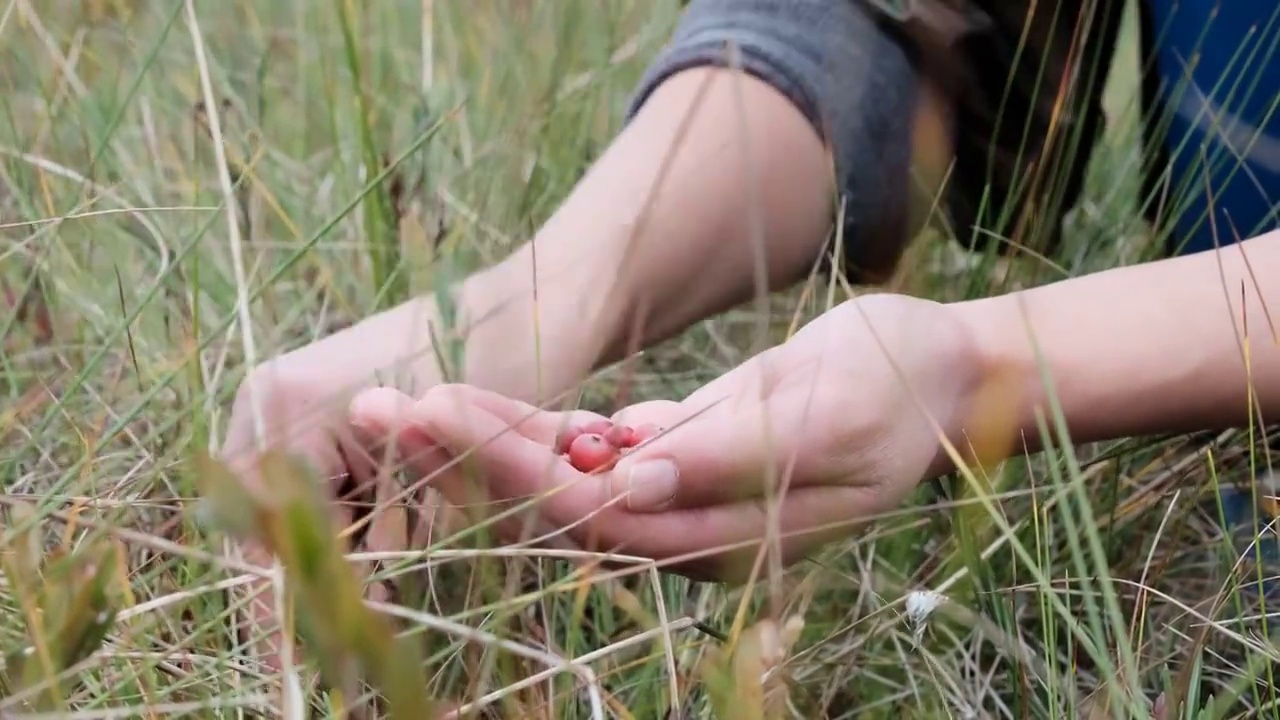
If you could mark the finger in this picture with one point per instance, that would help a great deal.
(242, 456)
(389, 415)
(451, 494)
(380, 517)
(396, 416)
(650, 412)
(530, 421)
(383, 417)
(723, 541)
(511, 465)
(372, 457)
(747, 434)
(386, 408)
(705, 455)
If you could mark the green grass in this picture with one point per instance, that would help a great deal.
(1077, 574)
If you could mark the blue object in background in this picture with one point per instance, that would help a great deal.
(1252, 518)
(1219, 62)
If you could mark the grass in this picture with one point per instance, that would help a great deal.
(157, 265)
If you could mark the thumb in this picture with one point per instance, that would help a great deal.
(714, 455)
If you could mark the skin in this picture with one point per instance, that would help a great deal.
(857, 403)
(723, 444)
(594, 252)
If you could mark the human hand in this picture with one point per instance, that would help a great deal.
(302, 400)
(845, 419)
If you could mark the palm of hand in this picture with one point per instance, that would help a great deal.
(796, 445)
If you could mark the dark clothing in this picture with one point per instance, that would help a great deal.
(1025, 79)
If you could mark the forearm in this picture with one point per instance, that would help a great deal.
(744, 187)
(719, 186)
(1140, 350)
(660, 233)
(663, 231)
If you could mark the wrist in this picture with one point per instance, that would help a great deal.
(1006, 390)
(1117, 357)
(540, 321)
(394, 347)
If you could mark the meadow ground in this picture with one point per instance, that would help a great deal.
(1072, 577)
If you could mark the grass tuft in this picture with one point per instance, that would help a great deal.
(302, 165)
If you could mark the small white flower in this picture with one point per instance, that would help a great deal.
(920, 605)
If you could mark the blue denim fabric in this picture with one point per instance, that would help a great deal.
(851, 77)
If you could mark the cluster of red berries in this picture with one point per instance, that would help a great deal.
(600, 442)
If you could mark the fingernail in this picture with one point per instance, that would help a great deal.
(651, 484)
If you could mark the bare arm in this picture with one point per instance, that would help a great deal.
(1146, 349)
(820, 108)
(600, 271)
(744, 190)
(749, 189)
(609, 264)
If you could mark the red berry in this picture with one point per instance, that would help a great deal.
(590, 451)
(620, 436)
(645, 432)
(565, 438)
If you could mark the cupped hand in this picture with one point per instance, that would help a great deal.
(299, 404)
(835, 426)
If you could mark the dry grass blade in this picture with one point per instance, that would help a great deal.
(149, 257)
(68, 608)
(349, 641)
(745, 682)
